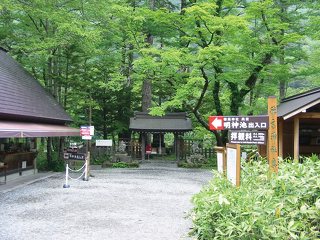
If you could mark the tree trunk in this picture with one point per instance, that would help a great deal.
(283, 82)
(146, 95)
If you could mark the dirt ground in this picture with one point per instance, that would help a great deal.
(148, 203)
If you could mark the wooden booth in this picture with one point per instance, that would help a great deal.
(27, 111)
(176, 123)
(299, 125)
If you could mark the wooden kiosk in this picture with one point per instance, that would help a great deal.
(299, 125)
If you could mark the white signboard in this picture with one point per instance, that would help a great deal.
(220, 162)
(86, 137)
(91, 130)
(104, 143)
(24, 164)
(86, 131)
(232, 165)
(248, 137)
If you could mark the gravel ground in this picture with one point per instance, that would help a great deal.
(148, 203)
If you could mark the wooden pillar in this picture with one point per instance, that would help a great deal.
(131, 146)
(280, 138)
(143, 146)
(160, 146)
(35, 146)
(296, 139)
(177, 147)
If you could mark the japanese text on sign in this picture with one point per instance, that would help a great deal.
(248, 122)
(74, 156)
(248, 137)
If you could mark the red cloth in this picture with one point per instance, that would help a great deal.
(148, 148)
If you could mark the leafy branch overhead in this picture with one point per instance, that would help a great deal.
(204, 57)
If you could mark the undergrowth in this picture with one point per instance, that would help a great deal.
(265, 206)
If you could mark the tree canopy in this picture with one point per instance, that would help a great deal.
(206, 57)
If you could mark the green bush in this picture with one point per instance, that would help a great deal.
(99, 159)
(210, 163)
(265, 206)
(56, 164)
(125, 165)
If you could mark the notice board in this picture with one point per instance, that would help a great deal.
(233, 163)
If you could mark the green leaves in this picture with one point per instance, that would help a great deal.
(281, 207)
(212, 57)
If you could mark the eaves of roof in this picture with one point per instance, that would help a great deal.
(296, 104)
(171, 122)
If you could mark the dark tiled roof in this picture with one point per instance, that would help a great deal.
(171, 122)
(293, 105)
(23, 98)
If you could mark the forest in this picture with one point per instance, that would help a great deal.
(103, 60)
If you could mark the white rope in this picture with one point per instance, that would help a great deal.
(78, 170)
(78, 177)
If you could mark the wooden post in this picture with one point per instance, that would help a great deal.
(177, 141)
(296, 139)
(143, 146)
(273, 134)
(281, 138)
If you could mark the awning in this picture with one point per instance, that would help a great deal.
(25, 129)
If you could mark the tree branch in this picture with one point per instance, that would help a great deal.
(34, 23)
(204, 89)
(252, 79)
(264, 20)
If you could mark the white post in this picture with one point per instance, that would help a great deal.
(66, 185)
(86, 170)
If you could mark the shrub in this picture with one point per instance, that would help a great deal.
(56, 164)
(196, 159)
(265, 206)
(125, 165)
(99, 159)
(194, 162)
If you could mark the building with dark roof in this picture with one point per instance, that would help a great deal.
(176, 123)
(299, 125)
(27, 110)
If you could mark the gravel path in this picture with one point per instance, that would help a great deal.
(148, 203)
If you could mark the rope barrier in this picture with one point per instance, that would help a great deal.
(78, 177)
(84, 173)
(72, 170)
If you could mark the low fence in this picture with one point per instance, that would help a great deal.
(206, 152)
(133, 149)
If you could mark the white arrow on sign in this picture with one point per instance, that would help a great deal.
(217, 123)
